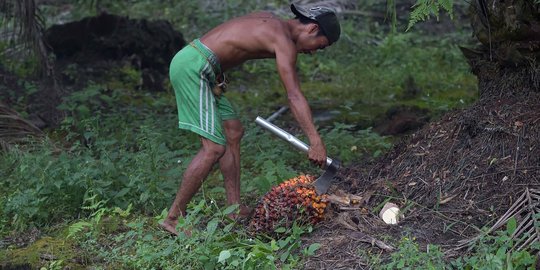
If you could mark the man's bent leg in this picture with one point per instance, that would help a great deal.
(197, 170)
(229, 163)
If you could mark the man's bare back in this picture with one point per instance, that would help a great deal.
(263, 35)
(253, 36)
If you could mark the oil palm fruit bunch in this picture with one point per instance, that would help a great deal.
(294, 200)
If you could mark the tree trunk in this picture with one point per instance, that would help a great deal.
(24, 26)
(509, 33)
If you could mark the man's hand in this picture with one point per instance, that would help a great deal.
(317, 154)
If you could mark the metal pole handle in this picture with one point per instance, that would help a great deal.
(300, 145)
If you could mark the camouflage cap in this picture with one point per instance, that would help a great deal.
(324, 16)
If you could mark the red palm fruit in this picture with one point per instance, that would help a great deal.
(294, 200)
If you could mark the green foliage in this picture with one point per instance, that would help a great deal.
(392, 13)
(22, 29)
(33, 195)
(409, 256)
(216, 243)
(82, 104)
(98, 211)
(423, 9)
(54, 265)
(46, 187)
(351, 145)
(124, 78)
(23, 66)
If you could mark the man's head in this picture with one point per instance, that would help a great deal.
(324, 17)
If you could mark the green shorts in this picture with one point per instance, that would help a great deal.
(192, 73)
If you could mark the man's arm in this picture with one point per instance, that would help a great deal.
(286, 64)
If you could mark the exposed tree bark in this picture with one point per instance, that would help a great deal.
(27, 29)
(503, 22)
(509, 33)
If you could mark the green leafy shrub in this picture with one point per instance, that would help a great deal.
(45, 187)
(216, 243)
(409, 256)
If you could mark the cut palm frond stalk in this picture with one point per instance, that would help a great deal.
(14, 129)
(526, 211)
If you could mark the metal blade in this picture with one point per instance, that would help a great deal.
(325, 180)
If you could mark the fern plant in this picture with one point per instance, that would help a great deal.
(424, 9)
(98, 211)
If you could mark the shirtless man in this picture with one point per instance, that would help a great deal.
(196, 74)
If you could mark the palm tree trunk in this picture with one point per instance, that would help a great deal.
(26, 28)
(509, 33)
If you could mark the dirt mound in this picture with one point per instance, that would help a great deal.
(148, 45)
(90, 50)
(451, 178)
(401, 120)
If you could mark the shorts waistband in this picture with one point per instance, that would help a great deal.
(208, 54)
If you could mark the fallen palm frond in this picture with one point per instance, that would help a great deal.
(14, 129)
(526, 210)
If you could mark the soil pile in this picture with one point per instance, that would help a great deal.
(451, 178)
(147, 45)
(91, 50)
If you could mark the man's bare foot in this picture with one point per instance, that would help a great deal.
(169, 228)
(172, 230)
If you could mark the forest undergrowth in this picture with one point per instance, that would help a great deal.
(92, 193)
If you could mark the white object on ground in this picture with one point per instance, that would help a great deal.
(390, 213)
